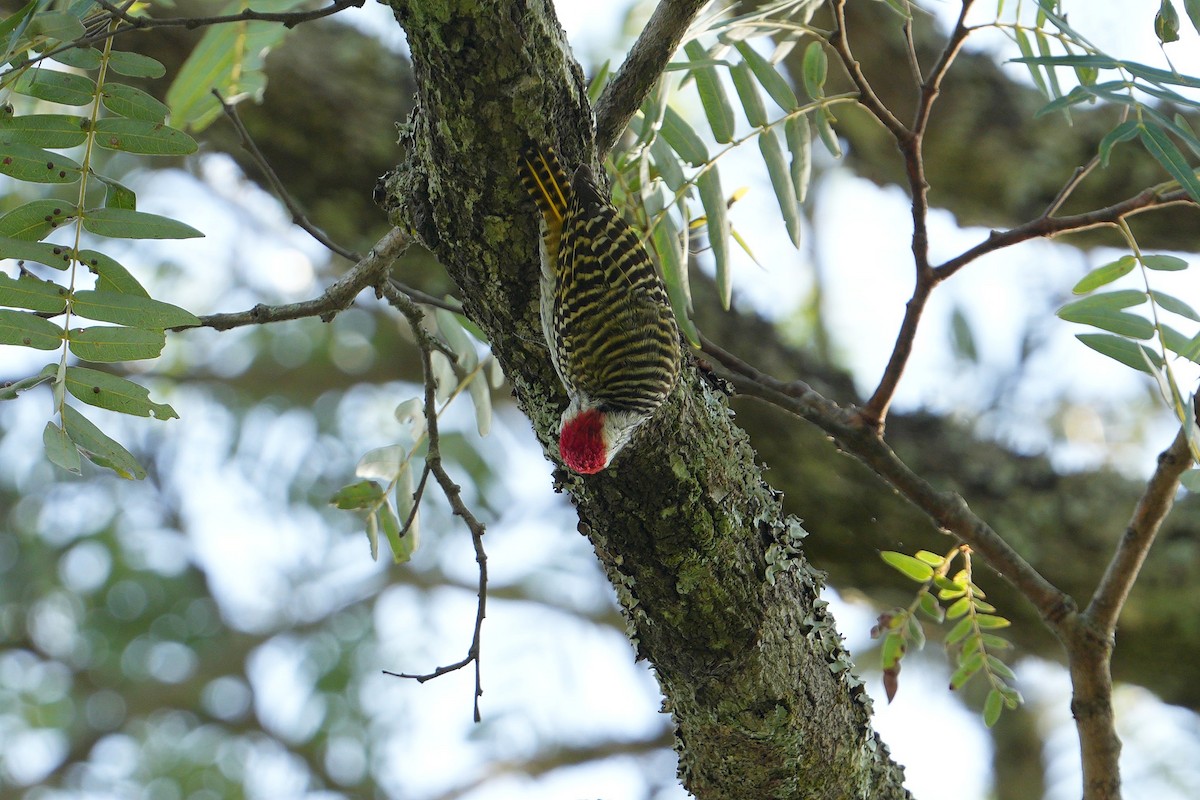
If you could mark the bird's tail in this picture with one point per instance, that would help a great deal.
(546, 181)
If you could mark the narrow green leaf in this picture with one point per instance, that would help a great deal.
(1175, 305)
(107, 345)
(747, 89)
(85, 58)
(406, 503)
(1105, 274)
(673, 262)
(991, 621)
(33, 220)
(60, 450)
(24, 329)
(891, 651)
(825, 121)
(597, 84)
(28, 163)
(992, 707)
(713, 98)
(815, 69)
(52, 255)
(1192, 9)
(768, 77)
(402, 547)
(229, 58)
(930, 607)
(131, 310)
(911, 567)
(1043, 44)
(1123, 298)
(9, 391)
(112, 276)
(32, 293)
(994, 642)
(1120, 349)
(105, 390)
(1156, 142)
(1164, 263)
(117, 195)
(667, 164)
(960, 630)
(43, 130)
(358, 495)
(57, 87)
(457, 338)
(998, 667)
(136, 65)
(932, 559)
(799, 141)
(1180, 344)
(1030, 60)
(958, 608)
(143, 137)
(129, 101)
(58, 25)
(121, 223)
(1117, 322)
(683, 139)
(481, 400)
(781, 182)
(99, 448)
(713, 199)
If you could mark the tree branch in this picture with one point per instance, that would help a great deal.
(289, 19)
(1153, 507)
(338, 297)
(946, 509)
(642, 69)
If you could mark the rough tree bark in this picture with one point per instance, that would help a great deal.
(706, 564)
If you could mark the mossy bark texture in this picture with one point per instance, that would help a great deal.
(706, 564)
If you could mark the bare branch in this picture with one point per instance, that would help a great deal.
(289, 19)
(298, 215)
(862, 440)
(369, 271)
(1152, 508)
(452, 491)
(867, 96)
(642, 68)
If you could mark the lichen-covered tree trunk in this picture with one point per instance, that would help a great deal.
(705, 563)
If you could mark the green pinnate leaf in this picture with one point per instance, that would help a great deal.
(892, 650)
(991, 621)
(714, 100)
(713, 199)
(768, 77)
(144, 137)
(1175, 305)
(1192, 9)
(136, 65)
(111, 344)
(910, 567)
(992, 707)
(815, 69)
(1105, 274)
(1000, 668)
(131, 310)
(9, 391)
(959, 631)
(781, 182)
(122, 223)
(57, 87)
(24, 329)
(930, 607)
(58, 25)
(111, 275)
(1164, 263)
(966, 670)
(683, 140)
(1122, 133)
(799, 141)
(28, 163)
(958, 608)
(1120, 349)
(60, 450)
(34, 220)
(33, 294)
(105, 390)
(364, 494)
(667, 245)
(1159, 145)
(747, 89)
(85, 58)
(98, 448)
(43, 130)
(932, 559)
(129, 101)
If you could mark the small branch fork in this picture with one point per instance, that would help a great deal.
(433, 464)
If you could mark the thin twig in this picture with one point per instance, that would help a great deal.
(369, 271)
(947, 510)
(867, 96)
(453, 492)
(1152, 508)
(1072, 183)
(298, 216)
(642, 68)
(289, 19)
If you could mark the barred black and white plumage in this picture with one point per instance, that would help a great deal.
(605, 314)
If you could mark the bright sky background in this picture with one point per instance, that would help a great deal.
(544, 674)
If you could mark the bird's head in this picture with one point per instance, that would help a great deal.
(591, 435)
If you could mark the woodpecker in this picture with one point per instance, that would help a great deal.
(605, 314)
